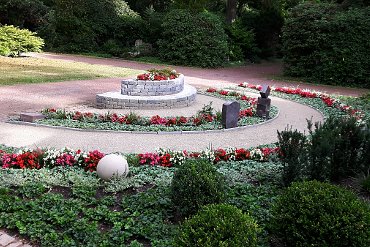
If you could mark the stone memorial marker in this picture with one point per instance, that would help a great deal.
(31, 116)
(230, 114)
(264, 102)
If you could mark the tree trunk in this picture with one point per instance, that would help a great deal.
(231, 10)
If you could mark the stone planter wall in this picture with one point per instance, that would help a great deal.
(152, 88)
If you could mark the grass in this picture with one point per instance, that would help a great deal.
(38, 70)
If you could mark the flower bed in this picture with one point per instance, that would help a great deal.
(158, 75)
(205, 119)
(66, 157)
(327, 99)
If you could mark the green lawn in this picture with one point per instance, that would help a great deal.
(38, 70)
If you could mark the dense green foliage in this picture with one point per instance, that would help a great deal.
(336, 150)
(13, 41)
(196, 39)
(327, 44)
(339, 149)
(292, 147)
(195, 184)
(319, 214)
(90, 25)
(218, 225)
(28, 14)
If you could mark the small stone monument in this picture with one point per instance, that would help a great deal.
(264, 102)
(230, 114)
(112, 165)
(31, 116)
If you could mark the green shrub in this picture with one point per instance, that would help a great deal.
(339, 149)
(327, 44)
(195, 184)
(319, 214)
(13, 41)
(218, 225)
(195, 39)
(293, 155)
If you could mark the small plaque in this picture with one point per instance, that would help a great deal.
(31, 116)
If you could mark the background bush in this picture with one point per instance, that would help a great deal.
(218, 225)
(195, 184)
(89, 25)
(319, 214)
(195, 39)
(327, 44)
(13, 41)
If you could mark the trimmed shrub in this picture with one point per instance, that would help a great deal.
(293, 155)
(13, 41)
(218, 225)
(195, 39)
(195, 184)
(327, 44)
(319, 214)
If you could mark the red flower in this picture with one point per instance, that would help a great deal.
(182, 120)
(158, 120)
(211, 90)
(196, 121)
(92, 160)
(223, 92)
(242, 154)
(165, 160)
(246, 113)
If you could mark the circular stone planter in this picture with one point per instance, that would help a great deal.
(139, 94)
(152, 88)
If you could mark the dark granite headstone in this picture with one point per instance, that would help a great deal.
(263, 107)
(265, 91)
(230, 114)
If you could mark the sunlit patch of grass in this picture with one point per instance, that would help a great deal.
(37, 70)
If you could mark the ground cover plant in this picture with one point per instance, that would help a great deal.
(65, 205)
(37, 70)
(205, 119)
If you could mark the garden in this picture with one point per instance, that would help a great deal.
(296, 188)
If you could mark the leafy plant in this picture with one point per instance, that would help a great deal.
(195, 184)
(218, 225)
(319, 214)
(14, 41)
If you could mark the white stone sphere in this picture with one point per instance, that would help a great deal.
(112, 165)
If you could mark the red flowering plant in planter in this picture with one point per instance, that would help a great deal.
(158, 75)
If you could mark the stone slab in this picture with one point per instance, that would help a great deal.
(31, 116)
(5, 239)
